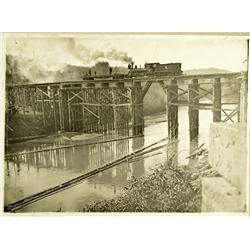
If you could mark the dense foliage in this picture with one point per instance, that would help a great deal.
(13, 72)
(167, 189)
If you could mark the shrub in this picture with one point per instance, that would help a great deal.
(167, 189)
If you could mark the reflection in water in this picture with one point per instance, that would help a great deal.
(117, 176)
(29, 174)
(172, 150)
(53, 167)
(137, 167)
(193, 146)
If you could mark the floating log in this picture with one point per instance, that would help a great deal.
(139, 158)
(198, 151)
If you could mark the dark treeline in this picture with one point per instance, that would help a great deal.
(13, 72)
(19, 71)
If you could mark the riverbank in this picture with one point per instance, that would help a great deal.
(169, 188)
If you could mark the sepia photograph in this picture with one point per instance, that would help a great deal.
(126, 123)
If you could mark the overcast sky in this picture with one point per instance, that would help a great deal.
(193, 52)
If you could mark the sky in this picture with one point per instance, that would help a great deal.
(52, 51)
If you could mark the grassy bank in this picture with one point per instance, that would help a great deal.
(168, 189)
(25, 126)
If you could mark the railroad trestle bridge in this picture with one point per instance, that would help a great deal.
(113, 106)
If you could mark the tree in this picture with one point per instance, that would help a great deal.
(13, 72)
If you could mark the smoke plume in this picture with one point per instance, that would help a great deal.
(88, 55)
(41, 59)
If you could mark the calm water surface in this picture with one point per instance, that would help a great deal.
(40, 171)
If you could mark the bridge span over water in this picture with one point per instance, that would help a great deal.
(113, 106)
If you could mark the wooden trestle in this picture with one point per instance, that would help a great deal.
(206, 92)
(110, 106)
(91, 107)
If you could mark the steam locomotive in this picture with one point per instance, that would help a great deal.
(155, 69)
(149, 70)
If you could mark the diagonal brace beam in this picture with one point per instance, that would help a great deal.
(75, 95)
(144, 91)
(44, 93)
(95, 115)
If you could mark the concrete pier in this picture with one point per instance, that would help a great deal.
(227, 155)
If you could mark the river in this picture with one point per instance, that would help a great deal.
(40, 171)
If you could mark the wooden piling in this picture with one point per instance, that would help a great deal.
(115, 121)
(24, 101)
(33, 102)
(62, 109)
(70, 114)
(137, 109)
(98, 129)
(217, 100)
(54, 108)
(8, 168)
(83, 111)
(43, 110)
(172, 110)
(193, 109)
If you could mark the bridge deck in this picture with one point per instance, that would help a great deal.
(134, 79)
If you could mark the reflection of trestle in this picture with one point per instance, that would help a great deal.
(100, 154)
(177, 155)
(118, 176)
(76, 158)
(172, 152)
(45, 159)
(137, 167)
(193, 160)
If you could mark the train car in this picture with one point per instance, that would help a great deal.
(157, 69)
(149, 70)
